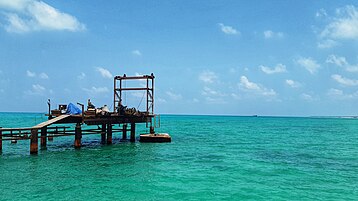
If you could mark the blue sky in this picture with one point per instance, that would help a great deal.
(294, 58)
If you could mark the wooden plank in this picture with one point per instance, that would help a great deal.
(51, 121)
(15, 129)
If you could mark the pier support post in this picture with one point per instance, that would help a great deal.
(78, 136)
(109, 133)
(132, 132)
(103, 134)
(34, 141)
(44, 137)
(0, 140)
(124, 132)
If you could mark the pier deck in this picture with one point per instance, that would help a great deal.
(104, 120)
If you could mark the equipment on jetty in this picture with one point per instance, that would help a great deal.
(102, 117)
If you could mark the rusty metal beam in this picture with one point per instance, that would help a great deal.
(134, 77)
(44, 137)
(78, 136)
(34, 141)
(134, 89)
(109, 133)
(132, 132)
(103, 134)
(124, 132)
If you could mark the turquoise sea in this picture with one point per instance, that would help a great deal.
(210, 158)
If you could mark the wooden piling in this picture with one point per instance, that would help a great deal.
(132, 132)
(109, 133)
(34, 141)
(0, 140)
(78, 136)
(124, 132)
(44, 137)
(103, 134)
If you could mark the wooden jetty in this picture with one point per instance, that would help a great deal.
(101, 117)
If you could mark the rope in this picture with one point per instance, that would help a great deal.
(141, 100)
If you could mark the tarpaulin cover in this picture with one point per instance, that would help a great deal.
(72, 109)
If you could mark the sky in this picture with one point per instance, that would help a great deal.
(280, 58)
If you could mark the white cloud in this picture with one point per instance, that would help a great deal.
(233, 70)
(340, 95)
(195, 100)
(228, 29)
(344, 81)
(279, 68)
(30, 74)
(293, 84)
(344, 25)
(215, 100)
(33, 74)
(138, 74)
(136, 53)
(36, 90)
(308, 97)
(104, 72)
(96, 90)
(16, 24)
(235, 96)
(311, 65)
(208, 76)
(270, 34)
(161, 100)
(342, 62)
(32, 15)
(246, 85)
(208, 91)
(174, 96)
(325, 44)
(43, 76)
(321, 13)
(212, 96)
(81, 76)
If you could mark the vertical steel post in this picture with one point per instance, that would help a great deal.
(103, 134)
(34, 141)
(114, 94)
(109, 133)
(120, 91)
(78, 136)
(43, 137)
(147, 95)
(132, 132)
(152, 93)
(124, 131)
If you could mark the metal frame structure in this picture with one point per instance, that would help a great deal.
(117, 99)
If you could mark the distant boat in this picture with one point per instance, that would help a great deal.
(255, 115)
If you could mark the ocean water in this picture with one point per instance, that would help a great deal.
(210, 158)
